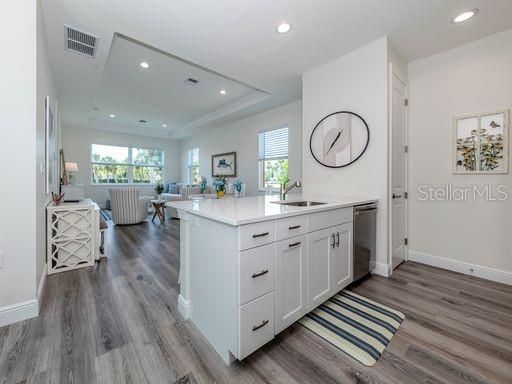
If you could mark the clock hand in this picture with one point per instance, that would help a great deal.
(334, 142)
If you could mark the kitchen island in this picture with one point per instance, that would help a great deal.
(250, 267)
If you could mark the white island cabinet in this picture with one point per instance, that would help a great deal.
(251, 267)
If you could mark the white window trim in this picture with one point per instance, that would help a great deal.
(261, 171)
(129, 165)
(190, 166)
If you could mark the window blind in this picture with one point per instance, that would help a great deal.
(273, 144)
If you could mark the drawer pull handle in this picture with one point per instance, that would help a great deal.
(263, 323)
(294, 227)
(333, 238)
(338, 239)
(294, 244)
(260, 235)
(254, 275)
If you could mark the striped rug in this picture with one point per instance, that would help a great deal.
(358, 326)
(106, 214)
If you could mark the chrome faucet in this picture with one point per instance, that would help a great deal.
(284, 189)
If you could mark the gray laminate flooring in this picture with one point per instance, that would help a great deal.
(117, 322)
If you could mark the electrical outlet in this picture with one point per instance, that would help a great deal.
(1, 260)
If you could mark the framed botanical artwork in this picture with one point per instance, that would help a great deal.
(224, 164)
(481, 143)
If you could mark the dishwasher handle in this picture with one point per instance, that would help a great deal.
(364, 209)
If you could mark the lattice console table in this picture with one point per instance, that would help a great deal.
(73, 235)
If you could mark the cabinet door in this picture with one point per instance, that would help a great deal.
(291, 274)
(341, 258)
(319, 266)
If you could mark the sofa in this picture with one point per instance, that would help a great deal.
(178, 192)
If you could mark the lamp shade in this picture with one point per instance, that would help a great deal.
(71, 167)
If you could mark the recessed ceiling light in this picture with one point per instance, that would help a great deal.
(164, 125)
(222, 92)
(144, 65)
(465, 16)
(112, 115)
(283, 28)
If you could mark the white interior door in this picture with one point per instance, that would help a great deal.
(398, 170)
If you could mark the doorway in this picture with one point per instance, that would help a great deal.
(398, 172)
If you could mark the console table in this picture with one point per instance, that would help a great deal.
(72, 235)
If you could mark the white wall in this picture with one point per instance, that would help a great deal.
(45, 87)
(242, 136)
(18, 154)
(77, 148)
(473, 78)
(355, 82)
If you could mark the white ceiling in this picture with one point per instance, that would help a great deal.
(237, 39)
(159, 94)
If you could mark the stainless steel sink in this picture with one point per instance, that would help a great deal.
(299, 203)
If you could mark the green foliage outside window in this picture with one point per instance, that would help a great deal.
(275, 173)
(112, 165)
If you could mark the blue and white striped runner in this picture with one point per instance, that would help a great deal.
(360, 327)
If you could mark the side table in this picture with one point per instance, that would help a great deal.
(159, 206)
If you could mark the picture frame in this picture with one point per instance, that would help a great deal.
(50, 145)
(480, 143)
(224, 164)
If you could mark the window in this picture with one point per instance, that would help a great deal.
(273, 158)
(193, 166)
(126, 165)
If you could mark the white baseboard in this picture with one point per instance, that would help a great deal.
(18, 312)
(184, 307)
(382, 269)
(42, 283)
(462, 267)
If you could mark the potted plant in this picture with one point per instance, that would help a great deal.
(203, 184)
(238, 187)
(220, 185)
(159, 188)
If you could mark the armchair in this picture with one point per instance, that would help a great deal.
(127, 206)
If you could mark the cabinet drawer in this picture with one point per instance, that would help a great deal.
(254, 235)
(256, 273)
(326, 219)
(255, 325)
(291, 226)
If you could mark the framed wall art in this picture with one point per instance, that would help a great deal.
(224, 164)
(481, 143)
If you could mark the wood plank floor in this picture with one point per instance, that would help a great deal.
(117, 322)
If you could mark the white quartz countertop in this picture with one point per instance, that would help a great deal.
(252, 209)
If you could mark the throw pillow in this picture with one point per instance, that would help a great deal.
(174, 189)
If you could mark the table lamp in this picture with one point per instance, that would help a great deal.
(71, 168)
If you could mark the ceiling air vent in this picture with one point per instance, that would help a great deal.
(191, 81)
(80, 42)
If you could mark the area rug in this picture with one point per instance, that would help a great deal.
(360, 327)
(106, 214)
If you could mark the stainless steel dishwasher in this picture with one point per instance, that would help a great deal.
(365, 234)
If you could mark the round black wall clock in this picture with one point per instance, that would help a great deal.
(339, 139)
